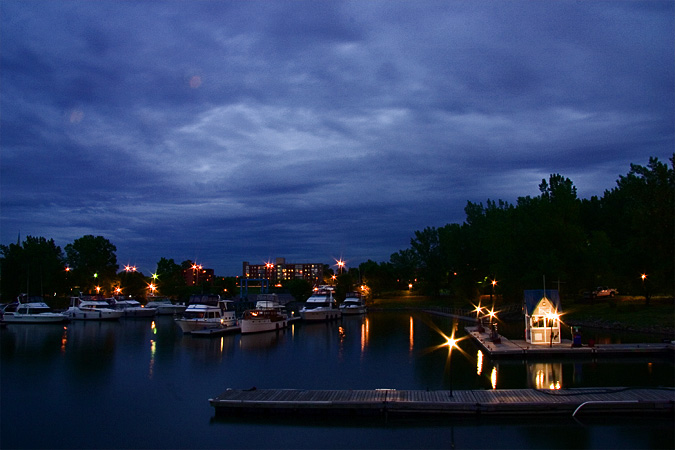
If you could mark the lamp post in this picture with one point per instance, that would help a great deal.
(451, 343)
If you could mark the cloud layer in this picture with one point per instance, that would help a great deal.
(231, 131)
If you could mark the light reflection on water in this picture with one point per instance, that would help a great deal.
(152, 378)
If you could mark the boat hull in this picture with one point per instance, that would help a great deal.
(190, 325)
(35, 318)
(140, 312)
(262, 325)
(78, 314)
(170, 310)
(353, 311)
(320, 314)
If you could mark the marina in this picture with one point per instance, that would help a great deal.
(169, 376)
(386, 402)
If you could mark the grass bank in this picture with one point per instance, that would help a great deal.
(621, 313)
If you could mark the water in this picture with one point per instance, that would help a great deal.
(142, 384)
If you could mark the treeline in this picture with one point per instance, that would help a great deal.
(37, 266)
(573, 244)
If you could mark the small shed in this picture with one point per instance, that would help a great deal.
(542, 316)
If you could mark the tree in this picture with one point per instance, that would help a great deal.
(640, 222)
(133, 283)
(300, 289)
(426, 247)
(93, 262)
(34, 267)
(343, 286)
(169, 278)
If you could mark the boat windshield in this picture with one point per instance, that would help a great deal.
(313, 305)
(193, 315)
(34, 310)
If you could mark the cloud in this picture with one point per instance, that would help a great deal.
(231, 131)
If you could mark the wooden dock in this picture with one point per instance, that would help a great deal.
(508, 348)
(385, 402)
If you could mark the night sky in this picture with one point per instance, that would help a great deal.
(228, 131)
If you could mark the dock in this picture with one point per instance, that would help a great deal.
(386, 402)
(510, 348)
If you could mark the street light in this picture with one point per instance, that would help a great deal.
(451, 343)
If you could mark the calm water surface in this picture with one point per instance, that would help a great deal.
(142, 384)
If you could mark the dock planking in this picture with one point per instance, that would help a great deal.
(463, 402)
(510, 348)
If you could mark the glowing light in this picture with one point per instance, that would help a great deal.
(493, 377)
(479, 363)
(412, 335)
(643, 276)
(98, 289)
(67, 269)
(152, 287)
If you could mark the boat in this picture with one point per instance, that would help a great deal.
(207, 311)
(353, 304)
(91, 308)
(132, 308)
(321, 306)
(164, 306)
(267, 315)
(30, 310)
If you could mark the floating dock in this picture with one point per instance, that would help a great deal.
(508, 348)
(385, 402)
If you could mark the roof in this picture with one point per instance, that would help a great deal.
(532, 298)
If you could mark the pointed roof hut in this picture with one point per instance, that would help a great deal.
(542, 310)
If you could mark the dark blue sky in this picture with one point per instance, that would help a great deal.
(231, 131)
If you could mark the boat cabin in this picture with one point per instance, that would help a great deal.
(542, 316)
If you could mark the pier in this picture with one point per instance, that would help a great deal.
(509, 348)
(385, 402)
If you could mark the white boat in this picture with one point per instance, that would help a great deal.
(91, 309)
(353, 304)
(132, 308)
(321, 306)
(267, 315)
(164, 306)
(207, 311)
(31, 310)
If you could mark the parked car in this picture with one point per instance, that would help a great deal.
(604, 291)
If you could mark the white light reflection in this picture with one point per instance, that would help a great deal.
(64, 339)
(364, 336)
(412, 335)
(493, 377)
(545, 375)
(479, 362)
(153, 349)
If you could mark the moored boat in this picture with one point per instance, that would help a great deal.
(132, 308)
(85, 308)
(31, 310)
(353, 304)
(267, 315)
(164, 306)
(321, 306)
(207, 311)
